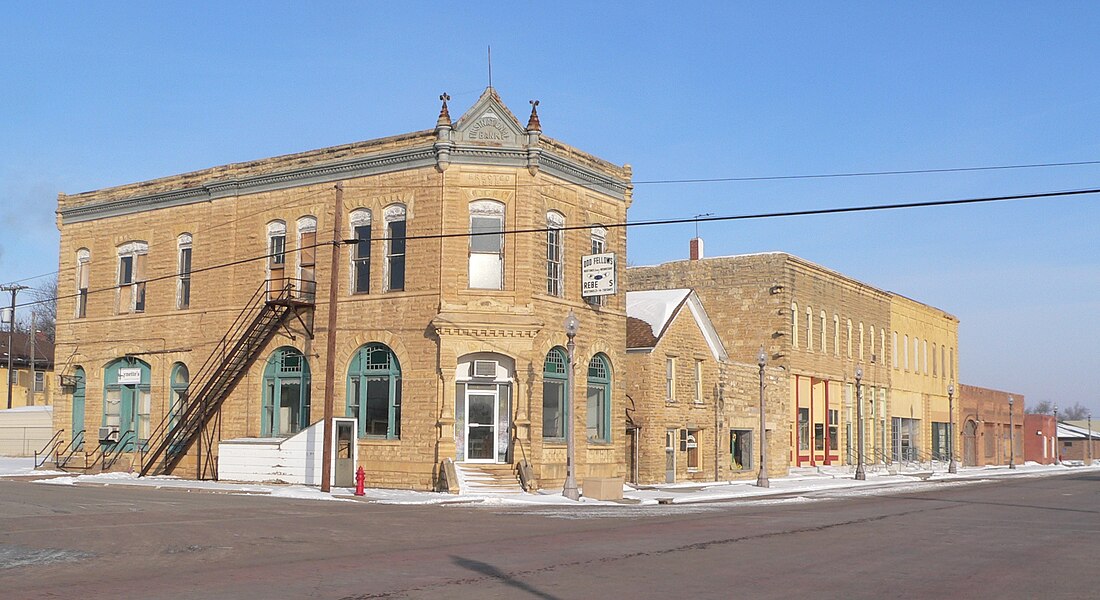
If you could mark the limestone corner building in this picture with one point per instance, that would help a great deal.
(197, 308)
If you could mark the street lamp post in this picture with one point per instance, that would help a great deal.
(952, 467)
(570, 491)
(1090, 438)
(860, 474)
(762, 479)
(1011, 437)
(1057, 450)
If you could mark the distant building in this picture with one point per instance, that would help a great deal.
(985, 426)
(1038, 436)
(819, 327)
(1074, 441)
(32, 370)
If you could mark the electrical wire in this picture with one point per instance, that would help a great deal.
(623, 225)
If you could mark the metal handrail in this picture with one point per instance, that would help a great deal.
(119, 448)
(55, 441)
(70, 449)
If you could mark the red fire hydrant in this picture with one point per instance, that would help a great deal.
(360, 479)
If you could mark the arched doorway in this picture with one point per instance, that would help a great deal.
(970, 443)
(285, 408)
(126, 403)
(483, 408)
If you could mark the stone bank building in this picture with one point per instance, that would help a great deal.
(429, 272)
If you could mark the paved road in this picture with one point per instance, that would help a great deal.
(1019, 538)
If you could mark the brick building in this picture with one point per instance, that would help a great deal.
(31, 373)
(820, 328)
(693, 414)
(1038, 434)
(200, 316)
(984, 419)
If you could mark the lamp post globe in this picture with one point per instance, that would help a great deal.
(572, 324)
(762, 478)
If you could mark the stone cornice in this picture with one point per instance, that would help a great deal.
(364, 166)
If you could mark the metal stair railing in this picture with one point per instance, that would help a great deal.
(110, 454)
(48, 449)
(70, 449)
(251, 329)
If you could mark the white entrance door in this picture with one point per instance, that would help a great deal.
(481, 422)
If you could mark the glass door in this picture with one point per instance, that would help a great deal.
(481, 423)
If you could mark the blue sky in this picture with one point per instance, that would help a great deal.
(94, 95)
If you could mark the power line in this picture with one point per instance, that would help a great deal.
(622, 225)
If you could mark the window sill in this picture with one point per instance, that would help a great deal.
(379, 441)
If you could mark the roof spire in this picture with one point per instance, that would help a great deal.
(533, 122)
(444, 114)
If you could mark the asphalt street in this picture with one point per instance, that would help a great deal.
(1033, 537)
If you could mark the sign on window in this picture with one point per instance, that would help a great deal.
(598, 275)
(129, 376)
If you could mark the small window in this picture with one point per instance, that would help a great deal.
(555, 250)
(183, 285)
(894, 349)
(39, 381)
(794, 324)
(924, 356)
(360, 261)
(395, 247)
(307, 258)
(83, 272)
(905, 349)
(131, 277)
(810, 329)
(935, 363)
(276, 257)
(849, 339)
(861, 341)
(670, 379)
(836, 335)
(698, 381)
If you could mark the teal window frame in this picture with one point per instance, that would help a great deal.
(599, 399)
(554, 380)
(374, 365)
(131, 417)
(277, 370)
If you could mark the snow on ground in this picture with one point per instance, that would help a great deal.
(802, 485)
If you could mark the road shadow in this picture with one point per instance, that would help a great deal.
(501, 576)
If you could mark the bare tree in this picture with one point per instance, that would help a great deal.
(1074, 413)
(1044, 407)
(45, 308)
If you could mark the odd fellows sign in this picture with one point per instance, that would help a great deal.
(598, 275)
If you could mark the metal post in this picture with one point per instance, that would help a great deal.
(1090, 438)
(570, 490)
(330, 339)
(860, 474)
(952, 467)
(762, 479)
(1057, 450)
(1011, 437)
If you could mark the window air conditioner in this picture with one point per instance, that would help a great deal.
(108, 434)
(485, 368)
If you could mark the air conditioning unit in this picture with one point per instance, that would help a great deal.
(108, 434)
(485, 368)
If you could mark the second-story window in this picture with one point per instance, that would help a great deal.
(670, 379)
(360, 253)
(131, 277)
(183, 284)
(307, 257)
(83, 272)
(395, 247)
(276, 256)
(486, 245)
(555, 249)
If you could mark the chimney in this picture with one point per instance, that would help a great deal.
(696, 248)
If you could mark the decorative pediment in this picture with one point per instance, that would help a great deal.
(489, 122)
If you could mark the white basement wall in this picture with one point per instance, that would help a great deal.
(296, 459)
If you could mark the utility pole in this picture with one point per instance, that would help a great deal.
(330, 341)
(14, 289)
(34, 336)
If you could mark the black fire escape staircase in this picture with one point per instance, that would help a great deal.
(199, 420)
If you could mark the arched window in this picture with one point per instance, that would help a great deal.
(924, 355)
(395, 215)
(905, 351)
(849, 339)
(554, 409)
(79, 389)
(486, 245)
(794, 324)
(810, 328)
(177, 404)
(943, 359)
(871, 342)
(374, 392)
(307, 257)
(894, 349)
(183, 265)
(127, 401)
(935, 362)
(83, 272)
(916, 355)
(555, 252)
(882, 345)
(276, 256)
(599, 399)
(131, 277)
(836, 335)
(824, 331)
(861, 341)
(285, 405)
(360, 220)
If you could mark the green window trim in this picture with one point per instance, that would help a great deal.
(554, 408)
(285, 370)
(374, 392)
(599, 400)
